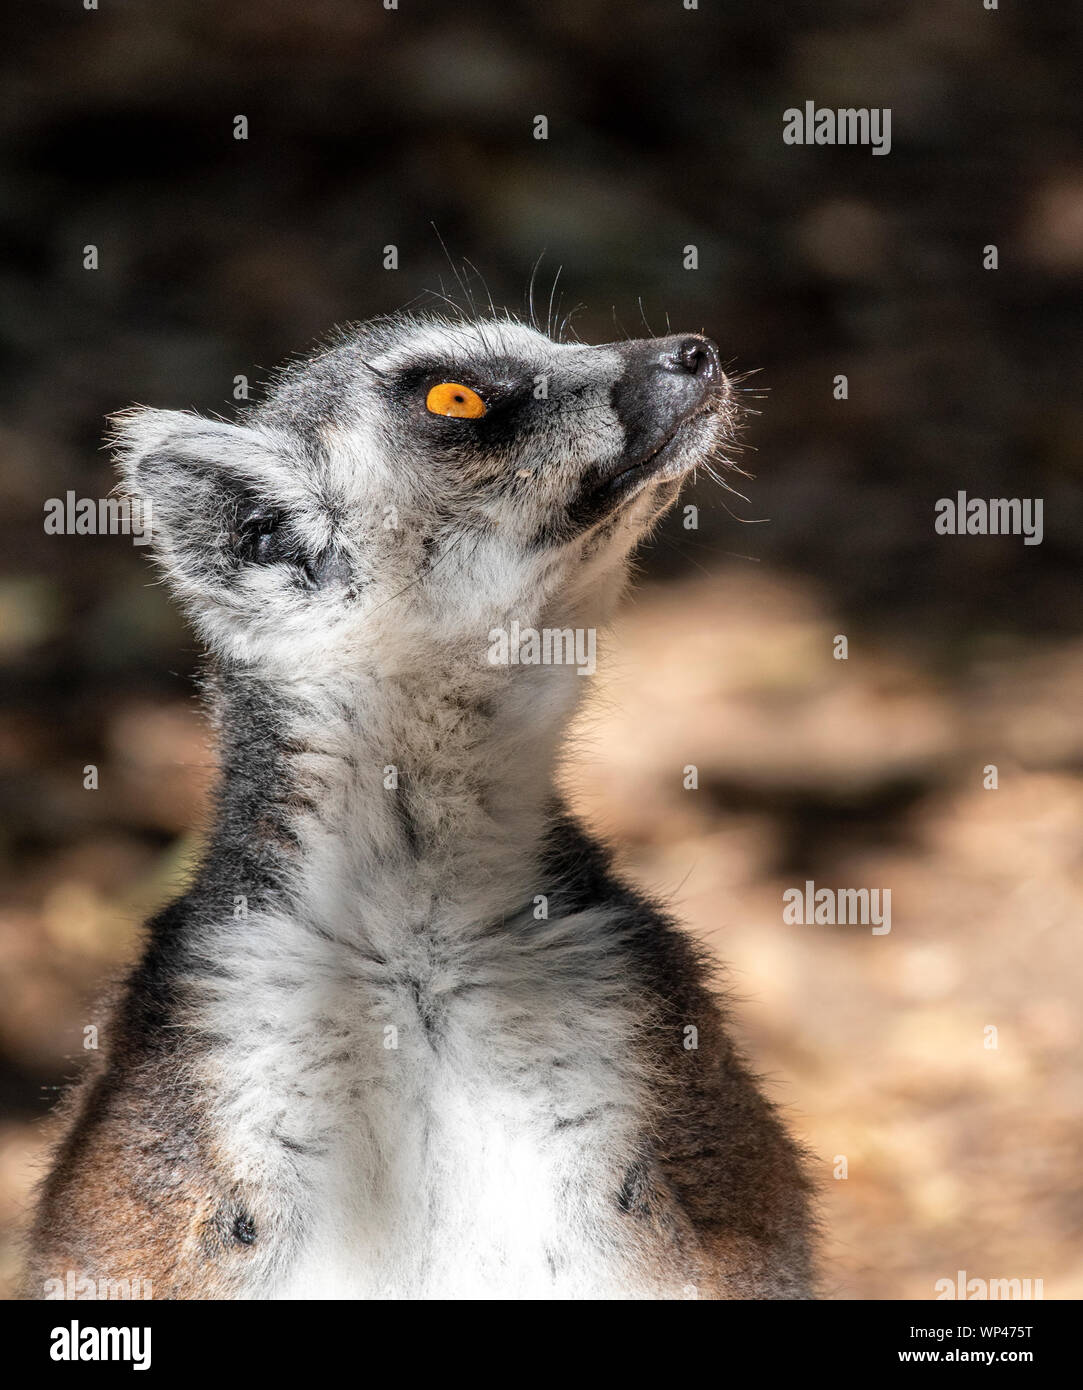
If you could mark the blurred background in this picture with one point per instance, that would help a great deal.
(218, 257)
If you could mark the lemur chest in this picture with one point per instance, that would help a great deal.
(448, 1123)
(460, 1200)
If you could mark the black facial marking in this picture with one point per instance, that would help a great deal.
(257, 537)
(261, 535)
(477, 444)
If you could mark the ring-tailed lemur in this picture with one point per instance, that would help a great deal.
(406, 1034)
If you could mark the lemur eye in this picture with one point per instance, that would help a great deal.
(449, 398)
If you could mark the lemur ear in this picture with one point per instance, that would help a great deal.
(201, 482)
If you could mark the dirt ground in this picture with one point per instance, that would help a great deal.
(957, 1154)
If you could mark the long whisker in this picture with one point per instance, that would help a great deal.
(530, 290)
(484, 286)
(552, 292)
(462, 283)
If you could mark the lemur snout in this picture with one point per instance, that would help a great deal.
(696, 355)
(665, 390)
(670, 377)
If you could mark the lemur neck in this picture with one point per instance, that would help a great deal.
(434, 788)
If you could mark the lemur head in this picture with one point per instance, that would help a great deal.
(419, 481)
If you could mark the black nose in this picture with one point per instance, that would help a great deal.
(695, 355)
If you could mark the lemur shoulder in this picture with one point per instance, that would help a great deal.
(387, 1073)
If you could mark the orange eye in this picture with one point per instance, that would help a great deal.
(449, 398)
